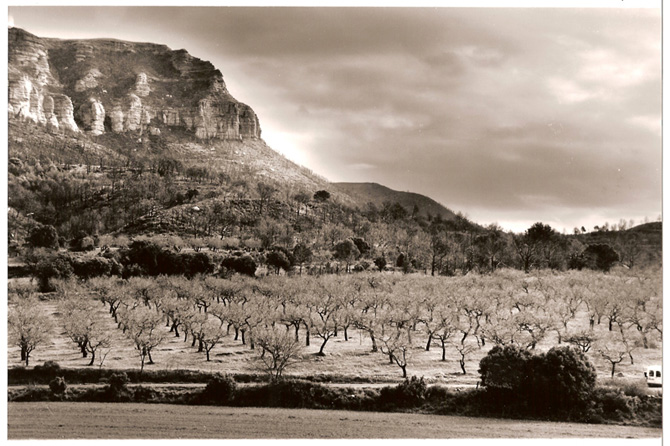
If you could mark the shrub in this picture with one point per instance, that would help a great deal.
(559, 381)
(600, 256)
(635, 389)
(611, 404)
(94, 267)
(43, 237)
(505, 368)
(58, 267)
(278, 260)
(195, 263)
(563, 380)
(48, 368)
(409, 393)
(118, 382)
(412, 391)
(82, 242)
(220, 390)
(243, 265)
(58, 386)
(380, 263)
(143, 394)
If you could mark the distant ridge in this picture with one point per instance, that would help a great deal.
(363, 193)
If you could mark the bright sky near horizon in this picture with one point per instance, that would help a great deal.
(509, 115)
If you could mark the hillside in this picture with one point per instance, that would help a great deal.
(109, 101)
(364, 193)
(107, 137)
(644, 243)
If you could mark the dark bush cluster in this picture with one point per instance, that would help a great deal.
(219, 390)
(63, 266)
(58, 386)
(117, 388)
(242, 264)
(557, 383)
(146, 258)
(409, 393)
(43, 236)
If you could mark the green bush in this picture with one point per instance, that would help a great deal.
(43, 236)
(118, 382)
(220, 390)
(117, 389)
(563, 380)
(48, 368)
(242, 264)
(611, 404)
(557, 383)
(58, 386)
(56, 267)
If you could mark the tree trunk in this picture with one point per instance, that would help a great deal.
(430, 340)
(374, 342)
(444, 351)
(151, 361)
(321, 353)
(297, 328)
(346, 335)
(404, 371)
(244, 342)
(92, 358)
(462, 362)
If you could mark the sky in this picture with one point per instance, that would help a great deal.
(508, 115)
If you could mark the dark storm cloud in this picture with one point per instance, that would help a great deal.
(514, 115)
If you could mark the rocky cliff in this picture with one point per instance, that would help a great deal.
(111, 86)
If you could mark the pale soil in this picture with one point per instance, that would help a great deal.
(352, 358)
(48, 420)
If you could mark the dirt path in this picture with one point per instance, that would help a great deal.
(151, 421)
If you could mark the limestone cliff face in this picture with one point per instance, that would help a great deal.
(101, 86)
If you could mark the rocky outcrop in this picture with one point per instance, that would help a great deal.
(90, 80)
(133, 116)
(64, 111)
(139, 85)
(92, 116)
(130, 116)
(32, 89)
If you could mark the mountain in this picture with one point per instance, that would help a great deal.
(364, 193)
(119, 108)
(115, 100)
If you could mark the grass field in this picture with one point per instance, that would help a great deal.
(150, 421)
(352, 358)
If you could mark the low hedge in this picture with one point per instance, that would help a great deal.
(608, 405)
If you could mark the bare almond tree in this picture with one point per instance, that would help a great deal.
(28, 327)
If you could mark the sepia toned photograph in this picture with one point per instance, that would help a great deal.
(311, 222)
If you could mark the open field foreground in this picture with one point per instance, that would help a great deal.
(153, 421)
